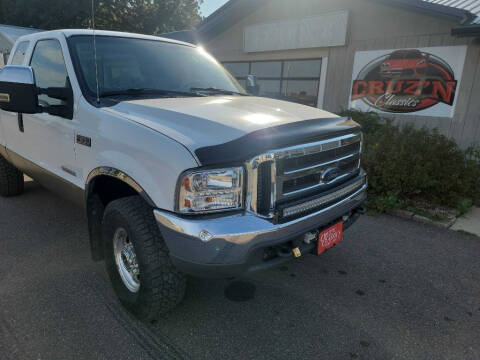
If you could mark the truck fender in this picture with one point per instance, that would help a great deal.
(95, 205)
(119, 175)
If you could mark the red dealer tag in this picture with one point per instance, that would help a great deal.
(329, 237)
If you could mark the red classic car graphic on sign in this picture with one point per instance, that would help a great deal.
(405, 81)
(404, 62)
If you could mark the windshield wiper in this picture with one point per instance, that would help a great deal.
(147, 91)
(215, 91)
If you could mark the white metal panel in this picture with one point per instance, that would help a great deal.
(329, 29)
(150, 158)
(206, 121)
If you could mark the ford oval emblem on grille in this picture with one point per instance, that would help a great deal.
(330, 174)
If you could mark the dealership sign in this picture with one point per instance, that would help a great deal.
(413, 81)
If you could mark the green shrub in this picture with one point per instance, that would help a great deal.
(463, 206)
(407, 165)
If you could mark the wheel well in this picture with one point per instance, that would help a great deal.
(108, 188)
(102, 190)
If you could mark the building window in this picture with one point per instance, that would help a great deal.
(291, 80)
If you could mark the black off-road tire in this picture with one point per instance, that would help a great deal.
(11, 179)
(162, 286)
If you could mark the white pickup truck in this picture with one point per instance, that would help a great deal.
(180, 171)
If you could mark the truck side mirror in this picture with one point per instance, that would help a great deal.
(18, 92)
(61, 93)
(252, 85)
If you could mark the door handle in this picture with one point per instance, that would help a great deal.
(20, 122)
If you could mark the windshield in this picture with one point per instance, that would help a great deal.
(131, 67)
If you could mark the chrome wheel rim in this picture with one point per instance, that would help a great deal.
(126, 260)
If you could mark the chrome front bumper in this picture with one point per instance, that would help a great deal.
(226, 244)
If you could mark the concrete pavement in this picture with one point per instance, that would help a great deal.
(393, 289)
(469, 223)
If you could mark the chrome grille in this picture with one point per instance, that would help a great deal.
(303, 168)
(289, 174)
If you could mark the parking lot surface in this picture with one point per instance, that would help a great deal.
(393, 289)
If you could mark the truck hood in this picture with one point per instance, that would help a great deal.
(208, 121)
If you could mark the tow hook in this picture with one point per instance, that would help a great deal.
(297, 247)
(350, 218)
(310, 236)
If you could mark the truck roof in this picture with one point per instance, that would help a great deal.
(72, 32)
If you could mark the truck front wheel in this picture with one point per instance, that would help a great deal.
(11, 179)
(137, 259)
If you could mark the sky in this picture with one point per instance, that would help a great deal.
(209, 6)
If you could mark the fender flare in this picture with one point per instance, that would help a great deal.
(120, 175)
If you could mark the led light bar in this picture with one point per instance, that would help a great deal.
(318, 202)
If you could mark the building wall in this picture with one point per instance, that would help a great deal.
(372, 26)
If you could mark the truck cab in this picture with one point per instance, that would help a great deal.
(178, 169)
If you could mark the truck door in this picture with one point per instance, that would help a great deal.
(48, 140)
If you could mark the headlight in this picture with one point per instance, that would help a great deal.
(210, 190)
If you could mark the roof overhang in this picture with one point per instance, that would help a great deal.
(467, 31)
(428, 8)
